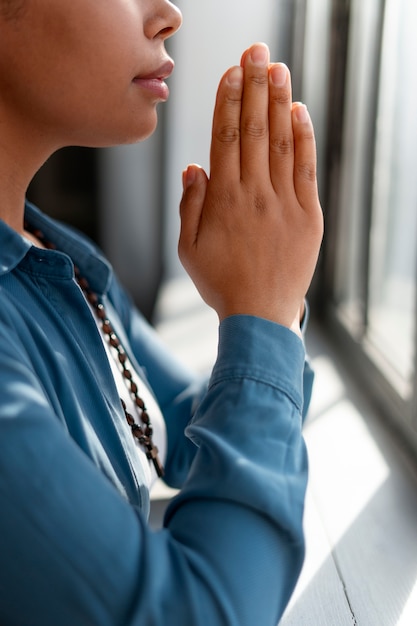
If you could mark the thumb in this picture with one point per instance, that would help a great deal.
(194, 192)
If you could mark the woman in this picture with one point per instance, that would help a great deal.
(92, 407)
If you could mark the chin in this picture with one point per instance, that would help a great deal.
(120, 135)
(141, 130)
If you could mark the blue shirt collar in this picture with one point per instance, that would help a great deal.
(14, 249)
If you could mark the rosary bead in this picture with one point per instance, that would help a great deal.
(145, 439)
(107, 327)
(83, 283)
(100, 312)
(122, 355)
(114, 342)
(129, 419)
(152, 453)
(92, 298)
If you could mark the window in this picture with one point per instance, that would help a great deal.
(392, 272)
(370, 198)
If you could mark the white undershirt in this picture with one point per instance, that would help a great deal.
(159, 436)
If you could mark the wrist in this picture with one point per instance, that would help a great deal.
(272, 314)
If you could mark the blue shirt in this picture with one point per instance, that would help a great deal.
(75, 547)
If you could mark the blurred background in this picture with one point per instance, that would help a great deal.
(352, 63)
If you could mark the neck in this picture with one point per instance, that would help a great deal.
(15, 176)
(23, 150)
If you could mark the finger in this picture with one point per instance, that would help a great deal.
(225, 141)
(254, 133)
(243, 57)
(281, 142)
(191, 206)
(305, 181)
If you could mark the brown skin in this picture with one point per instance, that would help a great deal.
(10, 9)
(68, 76)
(251, 233)
(73, 72)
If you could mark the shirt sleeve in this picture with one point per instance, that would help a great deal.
(73, 551)
(177, 389)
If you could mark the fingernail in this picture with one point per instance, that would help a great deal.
(189, 177)
(302, 114)
(279, 74)
(235, 77)
(260, 55)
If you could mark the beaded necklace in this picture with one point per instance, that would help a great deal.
(143, 433)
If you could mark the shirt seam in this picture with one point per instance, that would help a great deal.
(269, 383)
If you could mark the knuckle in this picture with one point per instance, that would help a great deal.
(260, 204)
(232, 100)
(259, 80)
(254, 127)
(227, 198)
(281, 145)
(306, 170)
(281, 97)
(228, 134)
(306, 135)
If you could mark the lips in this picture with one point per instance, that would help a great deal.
(161, 73)
(154, 84)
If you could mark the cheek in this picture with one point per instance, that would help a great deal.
(76, 82)
(91, 42)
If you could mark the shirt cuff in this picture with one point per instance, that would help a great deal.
(253, 347)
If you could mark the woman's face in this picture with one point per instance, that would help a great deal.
(85, 72)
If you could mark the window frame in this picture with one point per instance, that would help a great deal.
(349, 335)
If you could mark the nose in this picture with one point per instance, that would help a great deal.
(165, 20)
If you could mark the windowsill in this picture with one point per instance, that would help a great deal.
(361, 509)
